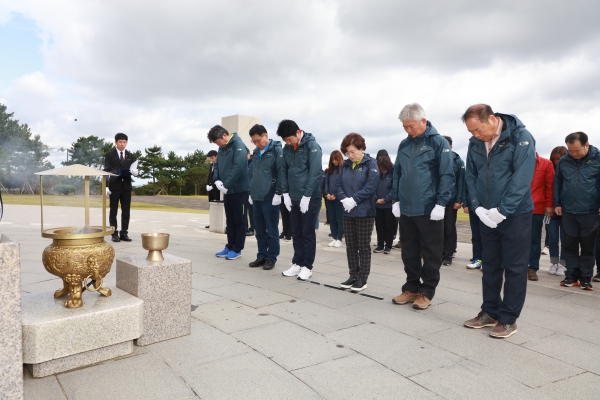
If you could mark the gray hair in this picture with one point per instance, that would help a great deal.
(413, 112)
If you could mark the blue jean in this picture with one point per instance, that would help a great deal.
(556, 232)
(505, 255)
(336, 223)
(537, 223)
(266, 225)
(303, 232)
(475, 235)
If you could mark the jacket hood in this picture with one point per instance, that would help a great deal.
(429, 131)
(306, 137)
(592, 152)
(234, 138)
(511, 123)
(366, 158)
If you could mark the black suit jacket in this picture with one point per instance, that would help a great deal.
(113, 164)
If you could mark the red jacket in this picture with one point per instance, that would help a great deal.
(542, 184)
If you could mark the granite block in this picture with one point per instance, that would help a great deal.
(166, 289)
(11, 354)
(51, 331)
(217, 217)
(63, 364)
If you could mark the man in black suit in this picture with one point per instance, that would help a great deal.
(119, 161)
(213, 193)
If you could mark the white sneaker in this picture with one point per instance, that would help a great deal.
(294, 270)
(338, 243)
(304, 274)
(553, 268)
(560, 271)
(545, 251)
(476, 264)
(332, 243)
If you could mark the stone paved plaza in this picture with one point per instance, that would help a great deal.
(257, 334)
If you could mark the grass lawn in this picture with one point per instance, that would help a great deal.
(95, 202)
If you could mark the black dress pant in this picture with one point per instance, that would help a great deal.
(285, 221)
(236, 219)
(123, 197)
(579, 235)
(450, 235)
(386, 225)
(214, 195)
(421, 236)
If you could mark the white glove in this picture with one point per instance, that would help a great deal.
(209, 188)
(349, 203)
(396, 209)
(438, 213)
(276, 200)
(249, 199)
(495, 216)
(287, 201)
(108, 192)
(482, 213)
(220, 186)
(134, 172)
(304, 202)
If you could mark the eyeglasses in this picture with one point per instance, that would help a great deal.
(257, 141)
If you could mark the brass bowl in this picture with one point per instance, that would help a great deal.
(155, 243)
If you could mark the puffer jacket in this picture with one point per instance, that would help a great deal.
(423, 173)
(502, 179)
(384, 189)
(577, 183)
(360, 183)
(542, 185)
(265, 171)
(302, 172)
(231, 167)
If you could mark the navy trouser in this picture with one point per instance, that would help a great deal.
(386, 226)
(577, 234)
(475, 235)
(421, 237)
(505, 255)
(334, 213)
(450, 234)
(303, 232)
(236, 220)
(285, 221)
(266, 225)
(537, 223)
(556, 233)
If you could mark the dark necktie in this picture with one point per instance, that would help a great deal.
(121, 156)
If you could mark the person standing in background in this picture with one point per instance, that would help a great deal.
(334, 206)
(385, 222)
(450, 235)
(556, 232)
(213, 193)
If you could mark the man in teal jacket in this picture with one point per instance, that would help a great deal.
(301, 178)
(500, 167)
(265, 195)
(231, 178)
(423, 185)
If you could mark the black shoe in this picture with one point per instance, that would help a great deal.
(378, 249)
(250, 232)
(347, 284)
(447, 260)
(124, 237)
(569, 282)
(287, 239)
(259, 262)
(586, 285)
(268, 264)
(387, 250)
(282, 235)
(398, 245)
(330, 235)
(115, 238)
(359, 285)
(596, 277)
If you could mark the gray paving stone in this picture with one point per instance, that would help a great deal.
(41, 388)
(358, 377)
(399, 352)
(246, 376)
(574, 351)
(502, 356)
(204, 344)
(320, 294)
(290, 345)
(200, 297)
(230, 316)
(259, 277)
(313, 316)
(202, 282)
(250, 295)
(570, 325)
(469, 380)
(584, 386)
(584, 298)
(141, 377)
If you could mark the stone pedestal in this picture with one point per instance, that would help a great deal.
(11, 354)
(57, 339)
(217, 217)
(241, 125)
(166, 289)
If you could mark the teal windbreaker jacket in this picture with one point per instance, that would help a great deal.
(301, 175)
(265, 179)
(231, 167)
(577, 183)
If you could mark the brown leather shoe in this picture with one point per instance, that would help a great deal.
(503, 331)
(532, 274)
(480, 321)
(405, 297)
(421, 302)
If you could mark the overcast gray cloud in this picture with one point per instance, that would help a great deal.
(165, 72)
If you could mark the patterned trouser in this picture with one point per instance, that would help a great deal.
(358, 231)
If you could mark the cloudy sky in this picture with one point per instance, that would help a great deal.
(164, 72)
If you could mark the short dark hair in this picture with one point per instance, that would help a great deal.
(579, 136)
(353, 139)
(216, 132)
(449, 139)
(211, 153)
(384, 163)
(481, 111)
(287, 128)
(121, 136)
(258, 130)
